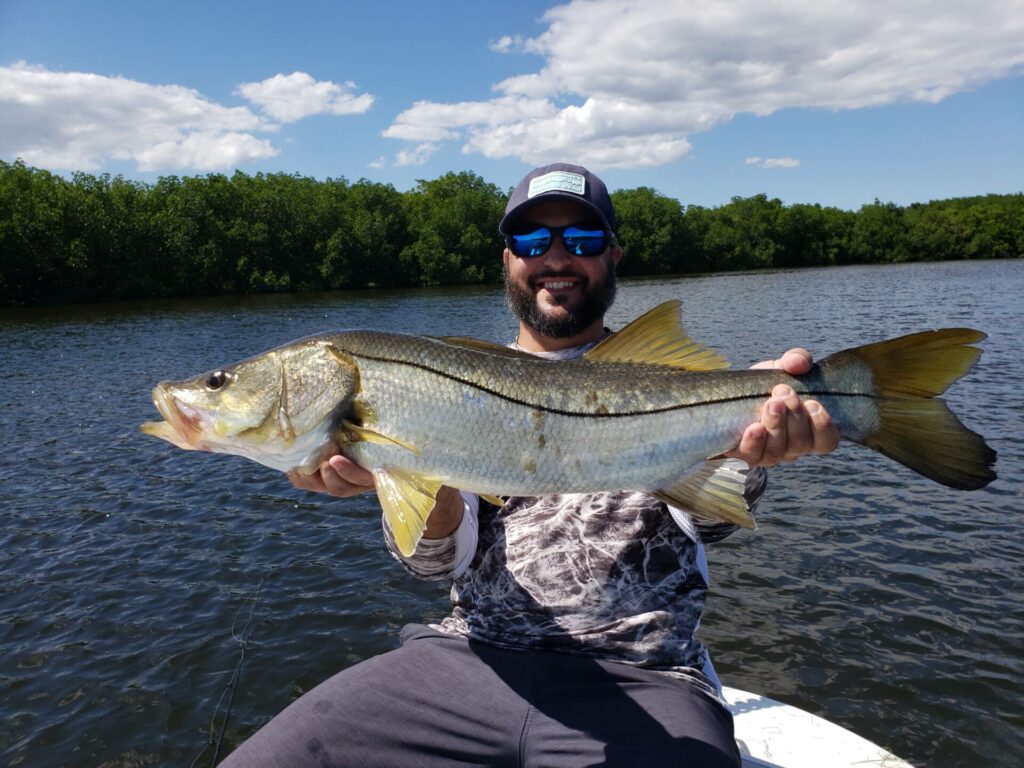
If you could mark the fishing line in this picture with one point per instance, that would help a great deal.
(232, 686)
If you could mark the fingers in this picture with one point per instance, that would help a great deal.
(795, 362)
(337, 476)
(788, 429)
(824, 434)
(788, 425)
(751, 445)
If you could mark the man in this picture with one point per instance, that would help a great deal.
(571, 641)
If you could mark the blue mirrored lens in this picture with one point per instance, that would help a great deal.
(577, 241)
(583, 242)
(533, 243)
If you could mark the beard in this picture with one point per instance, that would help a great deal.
(598, 296)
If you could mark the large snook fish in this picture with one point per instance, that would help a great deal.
(643, 410)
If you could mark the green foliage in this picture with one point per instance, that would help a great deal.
(97, 238)
(453, 227)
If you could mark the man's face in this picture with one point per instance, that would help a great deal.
(559, 294)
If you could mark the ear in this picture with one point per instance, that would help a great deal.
(616, 254)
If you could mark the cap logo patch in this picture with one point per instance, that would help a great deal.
(557, 181)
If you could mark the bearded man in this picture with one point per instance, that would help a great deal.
(571, 637)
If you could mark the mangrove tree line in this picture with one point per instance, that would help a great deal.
(99, 238)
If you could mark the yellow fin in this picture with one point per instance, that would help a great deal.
(914, 429)
(657, 337)
(372, 436)
(495, 500)
(407, 500)
(713, 491)
(921, 364)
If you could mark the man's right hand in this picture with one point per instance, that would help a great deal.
(337, 476)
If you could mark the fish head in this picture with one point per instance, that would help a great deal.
(277, 408)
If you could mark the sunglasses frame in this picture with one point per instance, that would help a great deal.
(559, 232)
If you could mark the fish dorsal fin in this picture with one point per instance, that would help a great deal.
(490, 347)
(713, 490)
(658, 338)
(407, 500)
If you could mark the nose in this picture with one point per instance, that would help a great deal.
(556, 256)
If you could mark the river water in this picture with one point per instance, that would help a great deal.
(129, 569)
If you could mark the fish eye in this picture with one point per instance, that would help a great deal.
(216, 380)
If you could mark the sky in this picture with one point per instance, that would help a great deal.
(811, 101)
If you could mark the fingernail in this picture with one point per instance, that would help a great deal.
(782, 391)
(813, 408)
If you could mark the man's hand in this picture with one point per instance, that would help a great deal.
(342, 477)
(788, 428)
(337, 476)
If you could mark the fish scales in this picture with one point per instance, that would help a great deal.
(547, 427)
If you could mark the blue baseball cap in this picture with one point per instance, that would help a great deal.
(559, 181)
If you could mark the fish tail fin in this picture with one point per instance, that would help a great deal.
(911, 425)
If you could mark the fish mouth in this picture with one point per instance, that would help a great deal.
(184, 426)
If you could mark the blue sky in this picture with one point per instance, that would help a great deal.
(837, 103)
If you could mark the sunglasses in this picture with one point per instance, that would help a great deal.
(579, 241)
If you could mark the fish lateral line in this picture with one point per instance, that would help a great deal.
(606, 414)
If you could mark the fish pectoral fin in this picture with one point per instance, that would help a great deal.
(373, 436)
(713, 490)
(490, 498)
(657, 337)
(407, 500)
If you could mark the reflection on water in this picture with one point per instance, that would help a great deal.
(869, 595)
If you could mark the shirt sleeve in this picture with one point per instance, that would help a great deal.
(710, 531)
(440, 559)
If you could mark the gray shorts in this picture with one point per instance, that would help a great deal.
(440, 700)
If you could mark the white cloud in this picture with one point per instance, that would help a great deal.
(624, 82)
(288, 98)
(418, 155)
(82, 121)
(506, 44)
(79, 121)
(380, 162)
(773, 162)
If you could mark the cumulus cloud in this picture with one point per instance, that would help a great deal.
(288, 98)
(624, 83)
(417, 155)
(82, 121)
(773, 162)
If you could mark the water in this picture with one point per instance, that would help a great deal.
(871, 596)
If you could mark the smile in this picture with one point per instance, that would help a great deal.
(556, 285)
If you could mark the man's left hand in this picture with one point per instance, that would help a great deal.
(788, 428)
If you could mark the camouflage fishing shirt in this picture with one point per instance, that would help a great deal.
(614, 575)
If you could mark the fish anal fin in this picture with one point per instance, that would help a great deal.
(373, 436)
(657, 337)
(714, 491)
(495, 500)
(407, 500)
